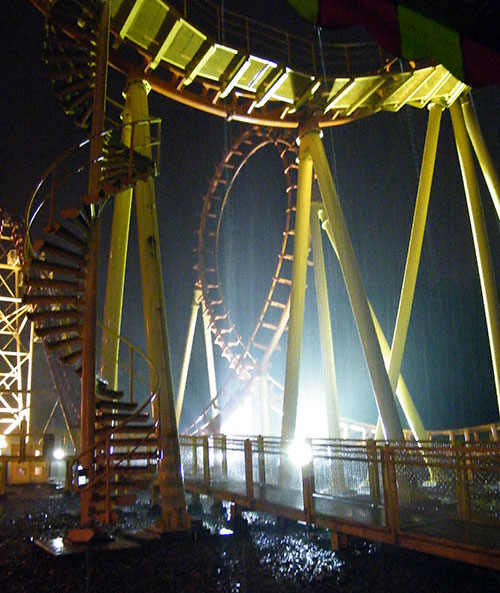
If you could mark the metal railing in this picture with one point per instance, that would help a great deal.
(315, 54)
(103, 447)
(394, 492)
(65, 182)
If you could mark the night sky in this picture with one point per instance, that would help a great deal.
(376, 163)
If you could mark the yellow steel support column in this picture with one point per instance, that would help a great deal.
(195, 307)
(114, 288)
(117, 262)
(297, 296)
(415, 246)
(325, 327)
(90, 290)
(173, 504)
(481, 245)
(354, 285)
(412, 265)
(483, 156)
(402, 392)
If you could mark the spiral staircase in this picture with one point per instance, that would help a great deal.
(60, 225)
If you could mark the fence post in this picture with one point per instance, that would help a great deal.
(3, 475)
(262, 460)
(107, 519)
(373, 479)
(206, 463)
(223, 442)
(308, 486)
(194, 455)
(462, 485)
(248, 468)
(390, 490)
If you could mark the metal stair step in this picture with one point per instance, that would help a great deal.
(105, 417)
(59, 329)
(108, 405)
(72, 357)
(51, 267)
(63, 343)
(130, 429)
(41, 316)
(50, 284)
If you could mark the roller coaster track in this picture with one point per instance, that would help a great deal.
(234, 67)
(231, 66)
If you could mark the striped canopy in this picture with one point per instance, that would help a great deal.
(463, 35)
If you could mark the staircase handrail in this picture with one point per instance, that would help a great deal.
(104, 439)
(33, 207)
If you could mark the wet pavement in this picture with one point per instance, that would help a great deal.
(258, 555)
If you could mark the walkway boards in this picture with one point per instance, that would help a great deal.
(438, 498)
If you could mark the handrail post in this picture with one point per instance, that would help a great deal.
(223, 443)
(262, 460)
(371, 452)
(249, 469)
(107, 518)
(308, 486)
(390, 494)
(131, 151)
(131, 373)
(194, 455)
(206, 463)
(52, 200)
(462, 485)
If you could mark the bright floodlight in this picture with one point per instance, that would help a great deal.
(300, 453)
(58, 454)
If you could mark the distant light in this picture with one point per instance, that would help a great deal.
(58, 454)
(300, 453)
(37, 453)
(241, 420)
(3, 442)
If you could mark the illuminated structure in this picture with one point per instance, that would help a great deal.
(16, 336)
(156, 47)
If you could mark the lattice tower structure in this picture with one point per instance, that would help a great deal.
(16, 337)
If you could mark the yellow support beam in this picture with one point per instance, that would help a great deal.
(480, 237)
(325, 327)
(173, 504)
(311, 142)
(481, 150)
(297, 295)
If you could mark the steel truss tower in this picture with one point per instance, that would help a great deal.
(16, 336)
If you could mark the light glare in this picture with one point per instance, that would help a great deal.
(300, 453)
(58, 454)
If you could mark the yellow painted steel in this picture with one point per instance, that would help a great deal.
(311, 141)
(297, 295)
(481, 150)
(415, 245)
(481, 245)
(114, 288)
(411, 271)
(117, 261)
(209, 353)
(402, 391)
(177, 53)
(325, 328)
(173, 505)
(195, 307)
